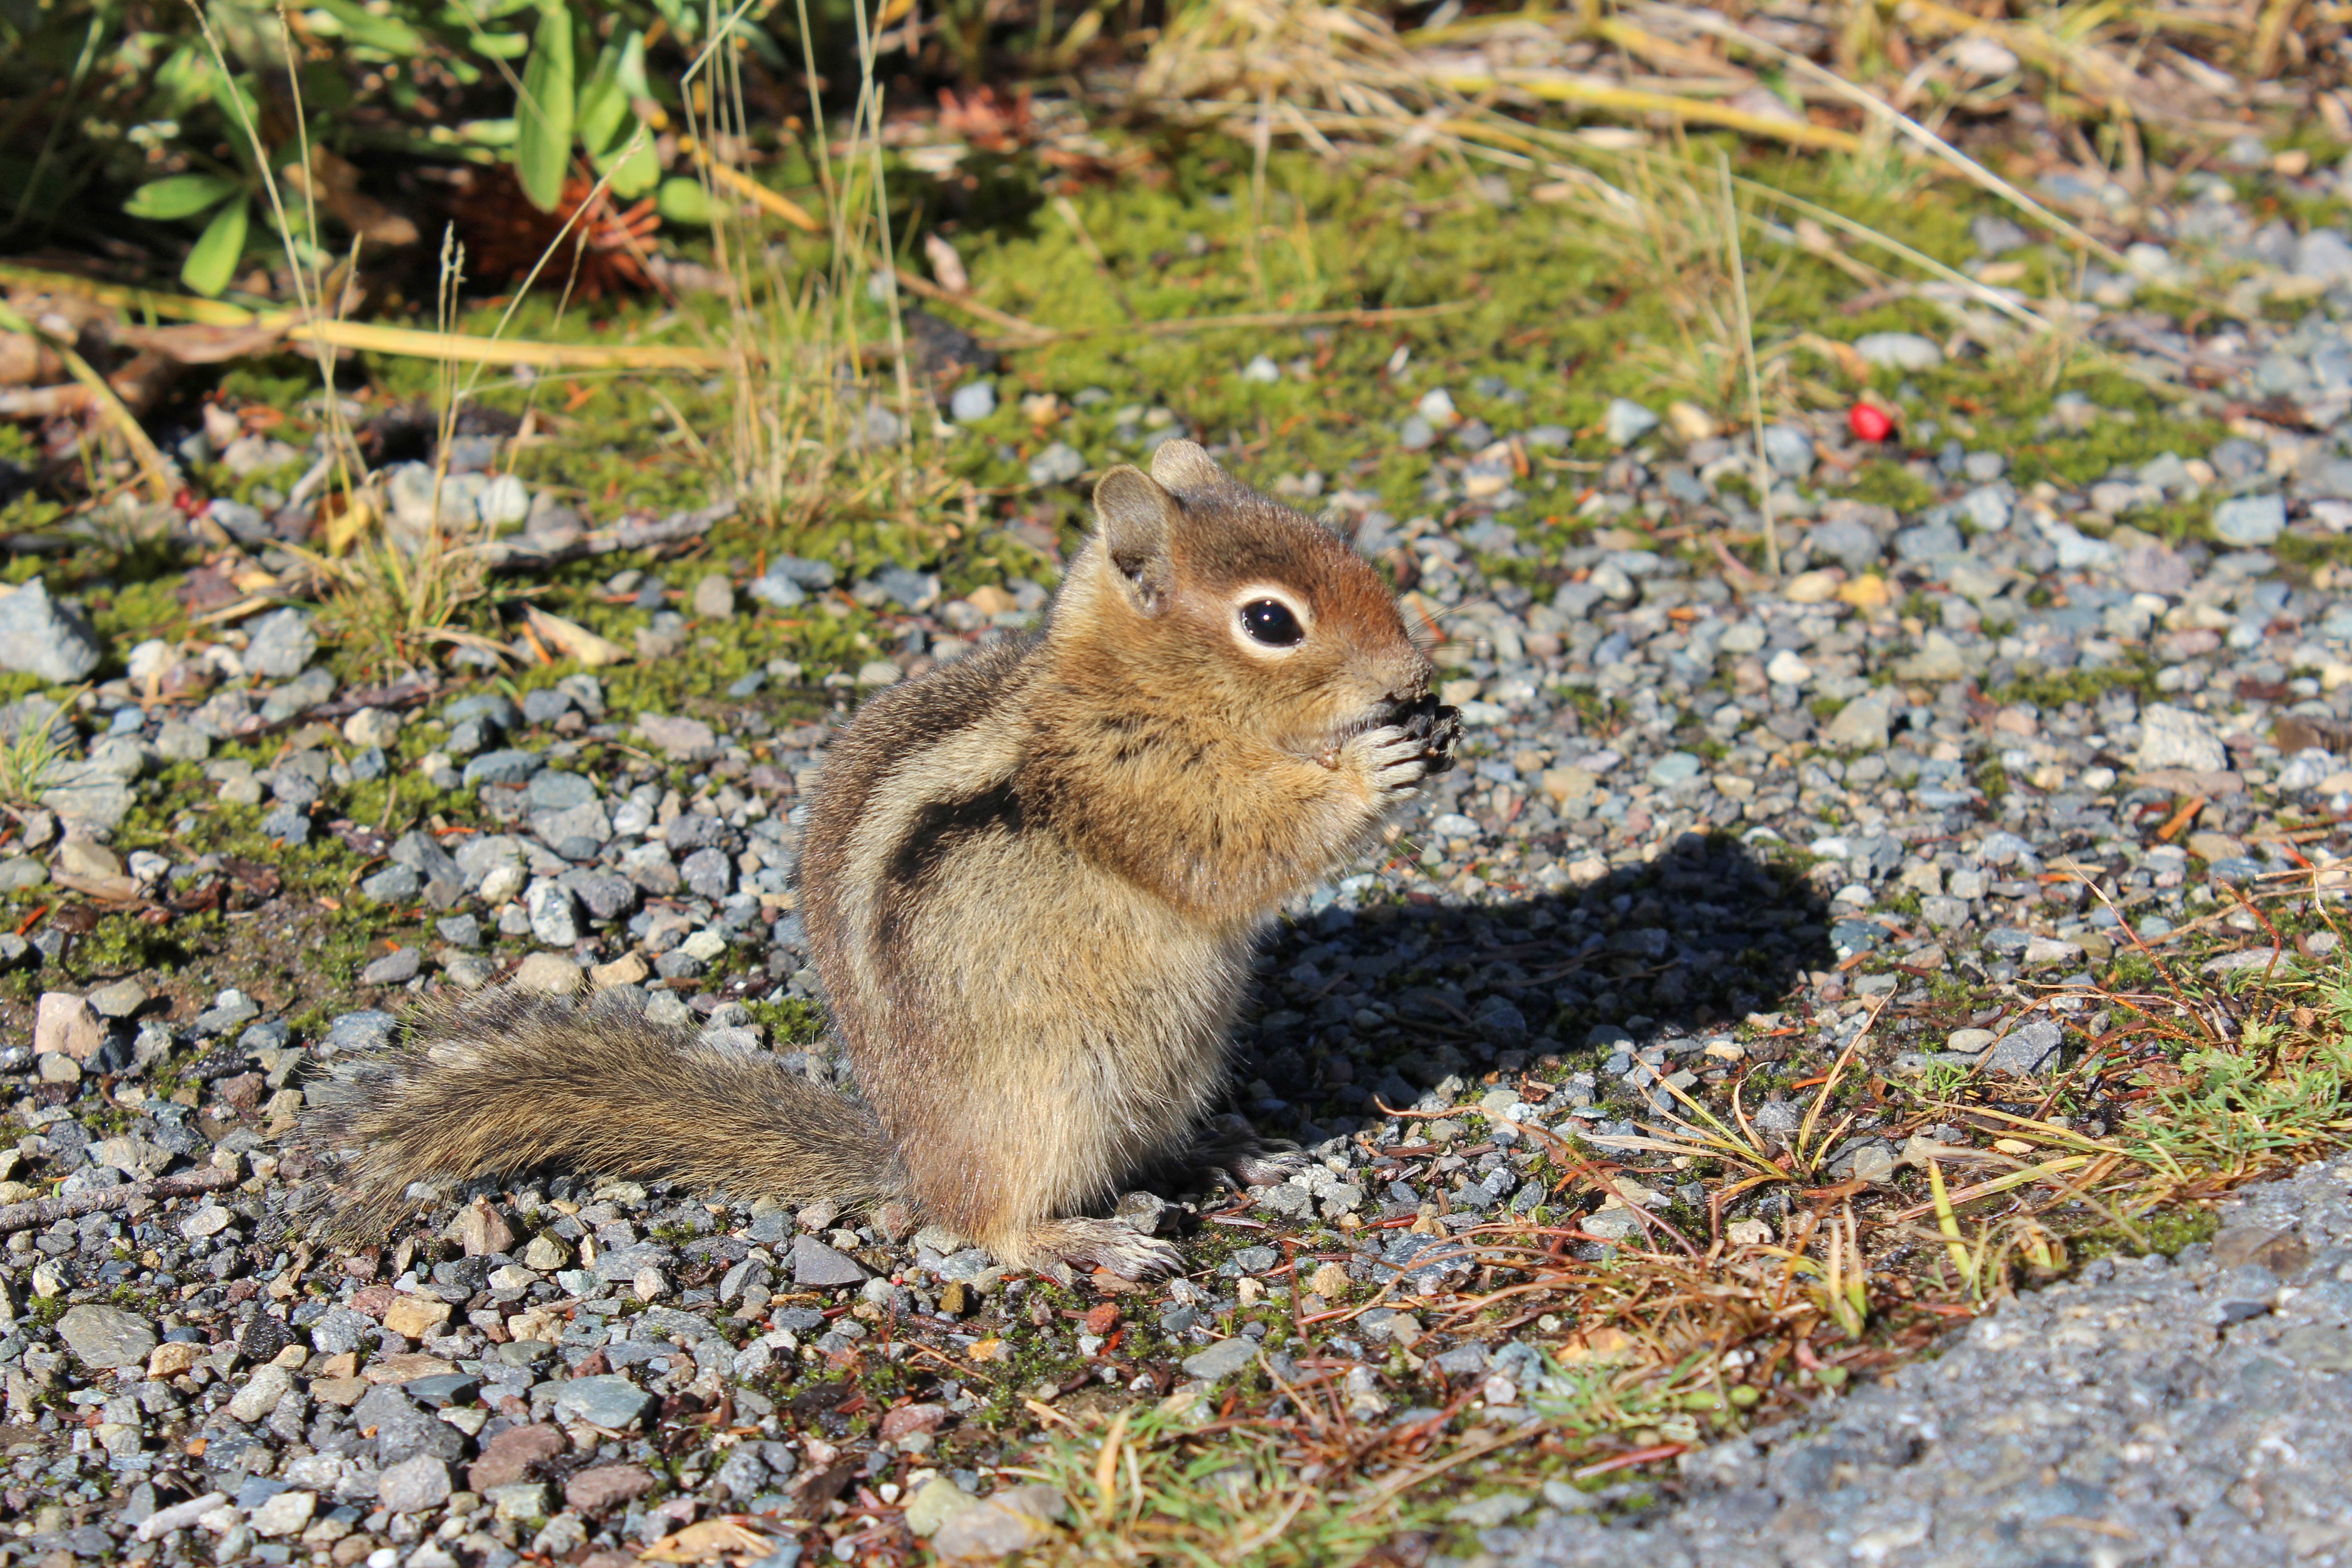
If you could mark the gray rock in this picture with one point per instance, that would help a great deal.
(554, 918)
(39, 637)
(1057, 465)
(1626, 422)
(1929, 542)
(1898, 351)
(1861, 725)
(1849, 541)
(1223, 1359)
(104, 1337)
(288, 825)
(2176, 738)
(1986, 509)
(396, 884)
(280, 644)
(553, 790)
(682, 738)
(264, 1387)
(121, 999)
(1997, 236)
(502, 767)
(708, 873)
(545, 704)
(1790, 449)
(620, 1264)
(403, 1431)
(363, 1031)
(2324, 255)
(608, 1400)
(2028, 1050)
(413, 1485)
(2152, 568)
(177, 740)
(972, 402)
(2251, 521)
(814, 1263)
(395, 968)
(606, 896)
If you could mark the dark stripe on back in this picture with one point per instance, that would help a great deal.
(942, 825)
(938, 830)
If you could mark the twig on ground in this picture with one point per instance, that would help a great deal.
(49, 1211)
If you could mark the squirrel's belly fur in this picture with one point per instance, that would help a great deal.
(1030, 882)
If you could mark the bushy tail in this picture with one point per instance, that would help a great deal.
(510, 1082)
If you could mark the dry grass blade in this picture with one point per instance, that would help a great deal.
(1567, 87)
(136, 301)
(744, 185)
(151, 466)
(1918, 134)
(467, 348)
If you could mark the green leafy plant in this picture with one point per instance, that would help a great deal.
(30, 758)
(545, 111)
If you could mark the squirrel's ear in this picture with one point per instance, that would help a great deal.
(1137, 518)
(1186, 466)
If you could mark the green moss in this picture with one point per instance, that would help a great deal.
(1883, 483)
(2164, 1230)
(792, 1020)
(2056, 688)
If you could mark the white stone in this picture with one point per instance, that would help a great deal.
(285, 1514)
(2175, 738)
(1898, 351)
(1626, 422)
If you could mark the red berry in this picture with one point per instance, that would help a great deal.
(1869, 422)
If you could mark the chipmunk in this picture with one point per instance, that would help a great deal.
(1032, 881)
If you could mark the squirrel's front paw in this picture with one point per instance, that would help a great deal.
(1417, 744)
(1391, 759)
(1438, 727)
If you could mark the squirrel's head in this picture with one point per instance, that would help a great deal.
(1263, 613)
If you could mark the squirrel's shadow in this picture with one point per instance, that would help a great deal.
(1355, 1007)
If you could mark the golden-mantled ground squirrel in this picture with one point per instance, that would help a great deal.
(1032, 880)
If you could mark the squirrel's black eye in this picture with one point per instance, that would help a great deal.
(1269, 621)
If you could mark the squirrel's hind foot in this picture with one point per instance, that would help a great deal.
(1104, 1244)
(1235, 1156)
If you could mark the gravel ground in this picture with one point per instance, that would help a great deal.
(1703, 833)
(2189, 1411)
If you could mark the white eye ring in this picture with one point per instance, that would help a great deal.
(1269, 622)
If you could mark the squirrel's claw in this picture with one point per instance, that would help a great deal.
(1242, 1159)
(1110, 1244)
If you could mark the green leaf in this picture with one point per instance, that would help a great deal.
(182, 80)
(219, 249)
(181, 196)
(240, 110)
(681, 200)
(632, 166)
(631, 72)
(388, 35)
(543, 111)
(603, 102)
